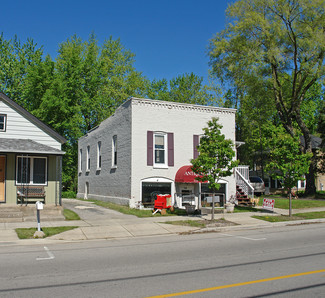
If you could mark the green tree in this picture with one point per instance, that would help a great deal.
(15, 60)
(321, 130)
(278, 45)
(158, 89)
(186, 88)
(88, 83)
(255, 115)
(216, 156)
(286, 162)
(38, 80)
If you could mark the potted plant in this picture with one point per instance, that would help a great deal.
(230, 207)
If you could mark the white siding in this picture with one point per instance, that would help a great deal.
(18, 127)
(184, 121)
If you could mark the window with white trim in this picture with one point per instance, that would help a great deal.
(80, 160)
(160, 141)
(3, 122)
(88, 159)
(160, 149)
(31, 170)
(99, 155)
(114, 151)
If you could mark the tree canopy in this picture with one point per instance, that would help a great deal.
(286, 162)
(83, 86)
(186, 88)
(276, 47)
(216, 155)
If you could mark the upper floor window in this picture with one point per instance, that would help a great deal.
(114, 151)
(160, 149)
(31, 170)
(3, 122)
(80, 160)
(99, 155)
(88, 158)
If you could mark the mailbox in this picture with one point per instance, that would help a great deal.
(39, 205)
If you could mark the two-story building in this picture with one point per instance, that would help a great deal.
(145, 148)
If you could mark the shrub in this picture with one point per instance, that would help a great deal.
(69, 194)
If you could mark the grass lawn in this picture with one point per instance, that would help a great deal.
(188, 223)
(70, 215)
(221, 222)
(28, 233)
(297, 216)
(280, 202)
(283, 203)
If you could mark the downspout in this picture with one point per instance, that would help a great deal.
(56, 180)
(60, 180)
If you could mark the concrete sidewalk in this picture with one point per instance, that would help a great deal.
(101, 223)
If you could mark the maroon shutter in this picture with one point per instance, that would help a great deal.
(149, 148)
(170, 141)
(196, 141)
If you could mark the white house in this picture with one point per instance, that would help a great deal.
(145, 149)
(30, 157)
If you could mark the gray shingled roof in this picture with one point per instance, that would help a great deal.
(26, 146)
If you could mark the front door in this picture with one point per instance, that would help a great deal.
(187, 194)
(2, 178)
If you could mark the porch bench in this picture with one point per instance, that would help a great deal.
(25, 193)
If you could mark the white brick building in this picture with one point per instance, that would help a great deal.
(143, 149)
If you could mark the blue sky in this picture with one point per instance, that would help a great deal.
(168, 37)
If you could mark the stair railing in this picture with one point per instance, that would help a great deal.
(243, 182)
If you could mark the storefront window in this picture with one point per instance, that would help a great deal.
(206, 195)
(151, 189)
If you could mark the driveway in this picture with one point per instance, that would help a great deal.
(89, 212)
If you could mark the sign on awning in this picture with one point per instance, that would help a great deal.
(186, 175)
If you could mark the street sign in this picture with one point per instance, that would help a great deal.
(268, 204)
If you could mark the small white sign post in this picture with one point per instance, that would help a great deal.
(39, 233)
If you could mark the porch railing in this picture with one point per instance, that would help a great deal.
(242, 180)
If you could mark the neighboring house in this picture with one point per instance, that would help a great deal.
(273, 185)
(30, 157)
(145, 149)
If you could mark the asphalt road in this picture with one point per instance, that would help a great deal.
(274, 262)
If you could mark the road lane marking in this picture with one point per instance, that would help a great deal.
(51, 255)
(238, 284)
(246, 238)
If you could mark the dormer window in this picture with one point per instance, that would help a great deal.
(3, 122)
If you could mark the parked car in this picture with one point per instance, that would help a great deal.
(258, 184)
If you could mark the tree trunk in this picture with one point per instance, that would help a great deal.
(310, 179)
(290, 202)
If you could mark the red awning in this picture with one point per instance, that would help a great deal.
(186, 175)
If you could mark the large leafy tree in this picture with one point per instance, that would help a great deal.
(285, 160)
(216, 156)
(278, 46)
(16, 58)
(88, 82)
